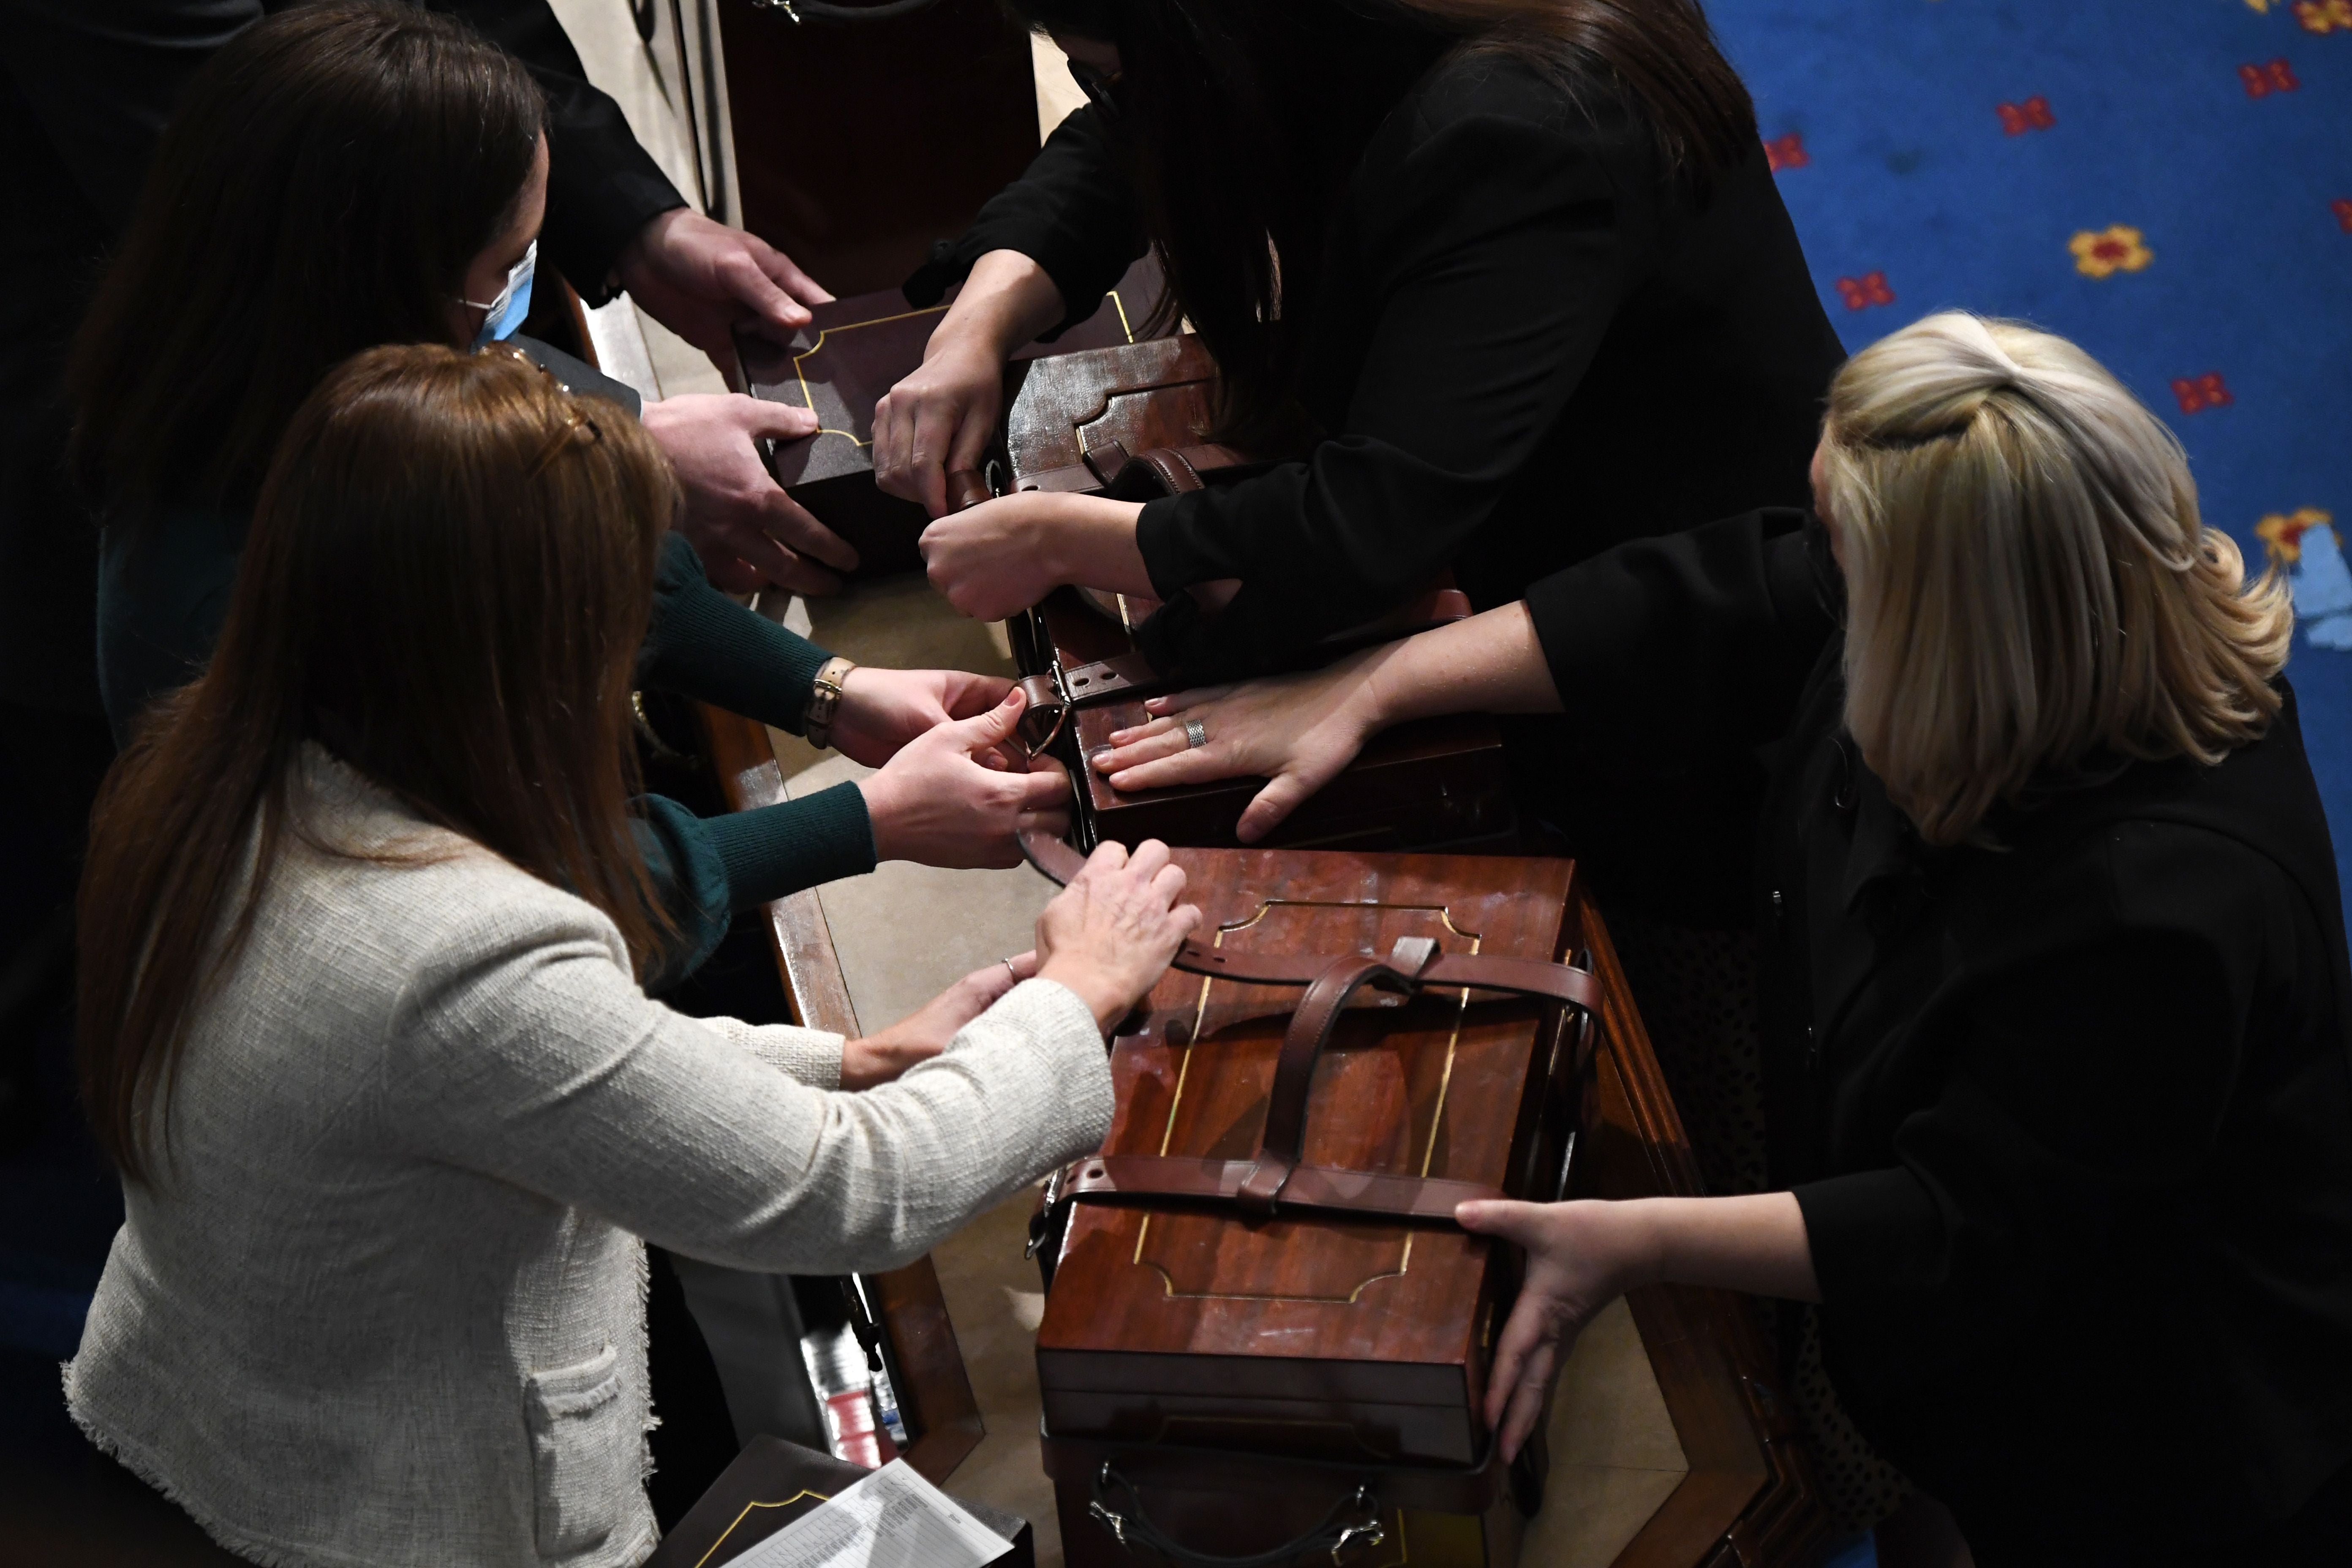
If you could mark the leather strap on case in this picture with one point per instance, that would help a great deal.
(1137, 476)
(967, 488)
(1468, 971)
(1121, 675)
(1145, 1179)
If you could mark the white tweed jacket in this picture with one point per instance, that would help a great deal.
(386, 1304)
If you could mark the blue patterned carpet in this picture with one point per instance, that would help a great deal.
(2168, 183)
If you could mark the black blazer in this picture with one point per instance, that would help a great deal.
(1528, 346)
(2070, 1119)
(1520, 325)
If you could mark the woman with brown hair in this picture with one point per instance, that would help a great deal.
(358, 1020)
(1510, 277)
(352, 174)
(2058, 1018)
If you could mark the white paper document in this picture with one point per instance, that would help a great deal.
(891, 1518)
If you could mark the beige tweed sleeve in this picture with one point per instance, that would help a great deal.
(525, 1052)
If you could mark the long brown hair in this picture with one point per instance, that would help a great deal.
(446, 579)
(1244, 118)
(322, 189)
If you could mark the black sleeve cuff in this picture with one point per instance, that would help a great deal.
(1872, 1234)
(1072, 212)
(1175, 552)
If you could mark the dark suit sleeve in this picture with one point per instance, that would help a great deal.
(1072, 212)
(1674, 651)
(104, 79)
(1501, 247)
(2093, 1079)
(602, 186)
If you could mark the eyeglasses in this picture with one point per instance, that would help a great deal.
(1101, 87)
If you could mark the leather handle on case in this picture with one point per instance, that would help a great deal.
(1279, 1148)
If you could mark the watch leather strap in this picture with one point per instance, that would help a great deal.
(824, 700)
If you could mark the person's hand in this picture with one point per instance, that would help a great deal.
(1581, 1255)
(1295, 731)
(882, 709)
(1109, 934)
(702, 280)
(925, 1033)
(937, 802)
(992, 560)
(939, 418)
(746, 528)
(1001, 556)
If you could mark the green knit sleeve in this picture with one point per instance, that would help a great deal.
(705, 646)
(708, 869)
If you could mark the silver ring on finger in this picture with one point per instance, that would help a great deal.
(1009, 970)
(1196, 734)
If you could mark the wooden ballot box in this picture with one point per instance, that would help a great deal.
(1133, 422)
(1228, 1381)
(851, 354)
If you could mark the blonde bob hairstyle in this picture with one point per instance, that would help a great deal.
(2030, 595)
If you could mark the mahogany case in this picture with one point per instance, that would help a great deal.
(850, 355)
(1317, 1338)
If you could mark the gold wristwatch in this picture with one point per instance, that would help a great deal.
(824, 700)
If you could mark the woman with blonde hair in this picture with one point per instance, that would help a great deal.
(360, 1018)
(2058, 1070)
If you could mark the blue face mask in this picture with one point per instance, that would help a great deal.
(502, 317)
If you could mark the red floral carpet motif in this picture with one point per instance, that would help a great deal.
(2199, 392)
(2033, 114)
(2263, 80)
(1863, 292)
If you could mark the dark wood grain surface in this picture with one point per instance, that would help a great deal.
(848, 358)
(857, 144)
